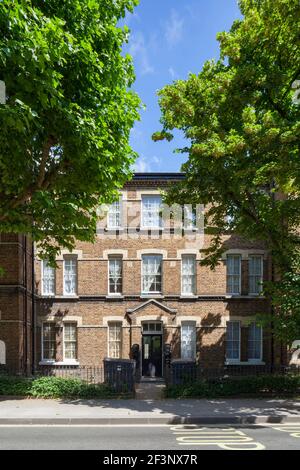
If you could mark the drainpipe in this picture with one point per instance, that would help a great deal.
(272, 280)
(25, 295)
(33, 322)
(272, 323)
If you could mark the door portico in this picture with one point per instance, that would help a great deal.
(151, 318)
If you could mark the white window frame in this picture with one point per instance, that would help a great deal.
(47, 360)
(255, 360)
(192, 324)
(142, 274)
(228, 359)
(52, 294)
(110, 324)
(113, 258)
(189, 215)
(68, 360)
(240, 274)
(253, 275)
(112, 211)
(148, 331)
(143, 210)
(73, 258)
(194, 279)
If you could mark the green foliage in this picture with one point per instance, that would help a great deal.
(18, 386)
(237, 386)
(285, 297)
(243, 127)
(53, 387)
(65, 125)
(241, 119)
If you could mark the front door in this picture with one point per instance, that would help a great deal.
(152, 356)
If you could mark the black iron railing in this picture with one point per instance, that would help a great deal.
(185, 373)
(120, 379)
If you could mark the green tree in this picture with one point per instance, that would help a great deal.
(285, 295)
(240, 116)
(243, 126)
(68, 113)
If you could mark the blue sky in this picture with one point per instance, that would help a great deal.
(169, 39)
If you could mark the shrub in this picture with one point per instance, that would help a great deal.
(236, 386)
(15, 385)
(53, 387)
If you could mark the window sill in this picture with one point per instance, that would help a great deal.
(58, 297)
(245, 363)
(189, 296)
(59, 363)
(241, 296)
(69, 296)
(152, 228)
(114, 296)
(152, 294)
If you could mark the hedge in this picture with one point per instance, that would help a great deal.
(53, 387)
(254, 386)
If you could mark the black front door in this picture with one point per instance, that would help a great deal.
(152, 356)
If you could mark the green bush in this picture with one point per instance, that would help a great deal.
(53, 387)
(262, 385)
(15, 385)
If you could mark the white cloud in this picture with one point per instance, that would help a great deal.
(156, 160)
(130, 17)
(172, 72)
(136, 133)
(142, 165)
(174, 29)
(138, 50)
(145, 165)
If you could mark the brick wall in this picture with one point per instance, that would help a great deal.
(16, 301)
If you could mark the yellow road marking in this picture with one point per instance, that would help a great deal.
(292, 429)
(224, 438)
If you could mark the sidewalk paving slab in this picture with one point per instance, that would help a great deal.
(17, 411)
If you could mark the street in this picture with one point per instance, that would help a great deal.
(151, 437)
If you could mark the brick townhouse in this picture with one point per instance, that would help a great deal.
(16, 302)
(140, 287)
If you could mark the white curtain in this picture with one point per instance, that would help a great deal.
(70, 276)
(188, 340)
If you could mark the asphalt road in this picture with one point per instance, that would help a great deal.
(151, 437)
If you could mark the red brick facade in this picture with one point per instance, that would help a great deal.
(16, 302)
(92, 309)
(74, 329)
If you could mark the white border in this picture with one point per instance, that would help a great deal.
(143, 293)
(70, 361)
(107, 340)
(233, 361)
(115, 294)
(42, 281)
(64, 362)
(109, 227)
(255, 294)
(257, 361)
(195, 344)
(73, 294)
(191, 294)
(240, 280)
(146, 227)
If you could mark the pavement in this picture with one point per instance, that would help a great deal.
(14, 411)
